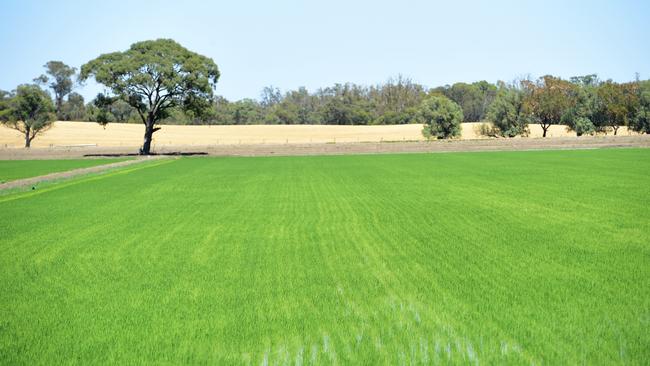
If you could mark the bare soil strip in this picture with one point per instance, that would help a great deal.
(71, 173)
(584, 142)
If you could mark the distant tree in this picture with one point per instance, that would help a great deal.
(59, 77)
(619, 104)
(507, 113)
(177, 116)
(285, 113)
(221, 109)
(74, 108)
(270, 96)
(345, 104)
(407, 116)
(585, 80)
(473, 98)
(393, 101)
(340, 111)
(91, 112)
(441, 117)
(547, 100)
(5, 98)
(578, 123)
(306, 106)
(121, 110)
(641, 121)
(154, 76)
(30, 111)
(245, 111)
(580, 116)
(632, 101)
(488, 93)
(103, 113)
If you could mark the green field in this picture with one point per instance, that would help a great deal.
(18, 169)
(473, 258)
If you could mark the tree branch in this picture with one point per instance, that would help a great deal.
(144, 120)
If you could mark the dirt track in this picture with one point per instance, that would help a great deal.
(585, 142)
(71, 173)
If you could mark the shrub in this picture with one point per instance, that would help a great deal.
(441, 117)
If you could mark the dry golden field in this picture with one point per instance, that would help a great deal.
(123, 134)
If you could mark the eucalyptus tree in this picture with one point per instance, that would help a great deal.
(345, 104)
(641, 121)
(547, 100)
(73, 109)
(392, 99)
(270, 96)
(154, 77)
(619, 103)
(585, 115)
(58, 76)
(29, 110)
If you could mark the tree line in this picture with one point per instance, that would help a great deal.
(161, 82)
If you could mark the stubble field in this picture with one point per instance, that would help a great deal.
(131, 134)
(477, 258)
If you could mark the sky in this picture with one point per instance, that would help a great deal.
(315, 44)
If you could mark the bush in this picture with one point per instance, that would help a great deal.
(441, 117)
(583, 126)
(507, 114)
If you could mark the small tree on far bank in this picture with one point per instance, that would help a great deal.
(547, 100)
(29, 111)
(619, 104)
(441, 117)
(641, 121)
(507, 113)
(612, 97)
(583, 116)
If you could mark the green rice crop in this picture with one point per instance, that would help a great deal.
(539, 257)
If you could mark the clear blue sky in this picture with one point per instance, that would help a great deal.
(315, 44)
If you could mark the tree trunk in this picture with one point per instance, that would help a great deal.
(149, 129)
(615, 129)
(28, 141)
(148, 135)
(544, 128)
(59, 105)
